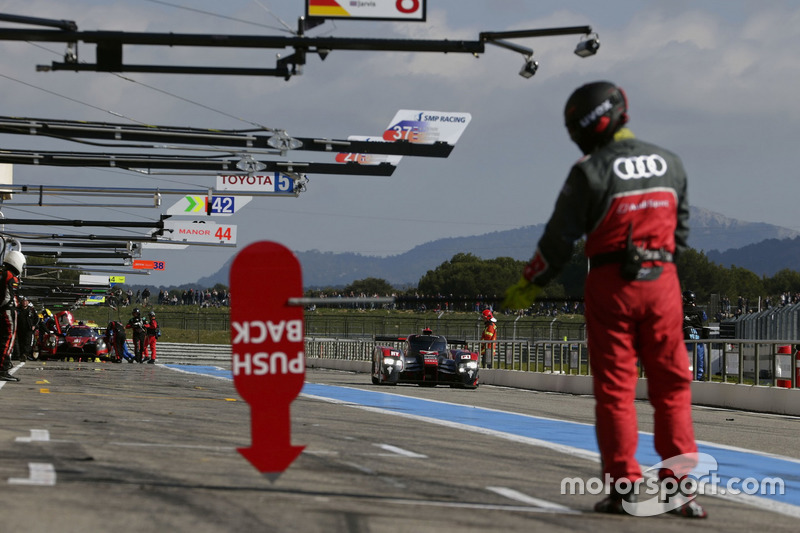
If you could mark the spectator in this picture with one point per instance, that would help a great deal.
(145, 296)
(629, 198)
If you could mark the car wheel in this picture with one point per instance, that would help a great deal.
(375, 372)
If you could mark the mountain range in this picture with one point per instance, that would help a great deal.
(759, 247)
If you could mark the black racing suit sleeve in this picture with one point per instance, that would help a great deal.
(588, 202)
(567, 224)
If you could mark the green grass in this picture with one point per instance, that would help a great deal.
(178, 323)
(211, 325)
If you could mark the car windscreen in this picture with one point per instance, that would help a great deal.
(79, 331)
(428, 343)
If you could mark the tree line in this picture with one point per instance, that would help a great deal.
(466, 276)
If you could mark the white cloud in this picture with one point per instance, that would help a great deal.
(714, 81)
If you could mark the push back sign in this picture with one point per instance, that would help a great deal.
(268, 359)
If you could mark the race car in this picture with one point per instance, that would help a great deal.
(425, 360)
(80, 341)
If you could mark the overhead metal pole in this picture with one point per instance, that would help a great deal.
(155, 224)
(276, 141)
(109, 47)
(119, 192)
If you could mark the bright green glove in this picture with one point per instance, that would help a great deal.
(521, 295)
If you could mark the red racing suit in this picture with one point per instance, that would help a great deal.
(8, 317)
(490, 348)
(151, 329)
(628, 190)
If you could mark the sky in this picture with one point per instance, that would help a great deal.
(714, 81)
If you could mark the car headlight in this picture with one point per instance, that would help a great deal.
(393, 361)
(471, 365)
(101, 344)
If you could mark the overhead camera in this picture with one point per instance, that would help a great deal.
(587, 48)
(529, 68)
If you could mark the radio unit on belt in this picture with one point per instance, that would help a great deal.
(631, 260)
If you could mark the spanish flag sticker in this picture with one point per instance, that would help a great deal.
(322, 8)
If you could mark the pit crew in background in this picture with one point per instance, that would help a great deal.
(63, 320)
(115, 340)
(489, 334)
(27, 323)
(46, 326)
(152, 331)
(47, 322)
(694, 319)
(13, 263)
(629, 198)
(136, 324)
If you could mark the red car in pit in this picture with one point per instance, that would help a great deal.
(78, 341)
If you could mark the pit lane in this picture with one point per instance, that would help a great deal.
(146, 448)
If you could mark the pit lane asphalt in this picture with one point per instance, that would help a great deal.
(130, 448)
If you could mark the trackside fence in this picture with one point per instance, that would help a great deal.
(763, 363)
(744, 361)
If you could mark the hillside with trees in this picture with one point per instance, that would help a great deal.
(470, 277)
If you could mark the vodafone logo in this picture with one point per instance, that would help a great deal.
(640, 167)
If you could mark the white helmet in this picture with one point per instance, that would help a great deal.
(15, 259)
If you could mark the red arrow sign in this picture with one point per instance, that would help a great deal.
(268, 359)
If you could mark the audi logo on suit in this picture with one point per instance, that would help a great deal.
(643, 166)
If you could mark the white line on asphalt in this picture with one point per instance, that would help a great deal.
(524, 498)
(40, 474)
(37, 435)
(362, 469)
(12, 372)
(190, 446)
(561, 448)
(401, 451)
(488, 507)
(386, 479)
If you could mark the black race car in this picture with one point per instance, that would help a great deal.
(425, 360)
